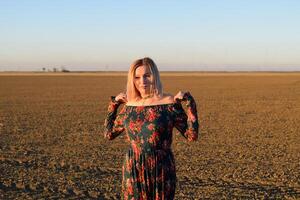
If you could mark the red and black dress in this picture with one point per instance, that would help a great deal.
(149, 167)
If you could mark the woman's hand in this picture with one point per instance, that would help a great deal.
(179, 96)
(122, 97)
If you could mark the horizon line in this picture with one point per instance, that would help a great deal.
(167, 71)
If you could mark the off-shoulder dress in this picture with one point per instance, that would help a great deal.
(148, 170)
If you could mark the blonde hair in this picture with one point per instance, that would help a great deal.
(156, 88)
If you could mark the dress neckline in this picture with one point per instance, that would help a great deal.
(165, 104)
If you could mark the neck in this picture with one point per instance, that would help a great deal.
(146, 96)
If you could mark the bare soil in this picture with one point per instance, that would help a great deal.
(52, 145)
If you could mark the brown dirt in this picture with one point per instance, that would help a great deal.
(51, 142)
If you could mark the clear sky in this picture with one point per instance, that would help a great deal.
(184, 35)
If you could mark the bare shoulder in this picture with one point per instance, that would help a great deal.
(168, 98)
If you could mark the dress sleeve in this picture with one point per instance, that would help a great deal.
(114, 123)
(187, 124)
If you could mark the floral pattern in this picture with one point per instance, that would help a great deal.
(148, 170)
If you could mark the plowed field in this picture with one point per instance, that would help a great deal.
(52, 145)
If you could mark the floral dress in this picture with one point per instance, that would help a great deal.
(148, 170)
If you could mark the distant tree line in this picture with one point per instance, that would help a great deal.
(55, 69)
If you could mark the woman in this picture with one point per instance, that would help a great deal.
(148, 118)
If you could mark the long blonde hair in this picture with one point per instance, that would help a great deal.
(156, 88)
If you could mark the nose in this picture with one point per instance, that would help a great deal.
(143, 81)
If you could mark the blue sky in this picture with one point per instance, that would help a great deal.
(183, 35)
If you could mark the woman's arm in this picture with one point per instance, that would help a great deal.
(187, 123)
(114, 122)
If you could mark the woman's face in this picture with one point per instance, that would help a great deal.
(143, 79)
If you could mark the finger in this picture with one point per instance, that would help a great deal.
(179, 97)
(177, 100)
